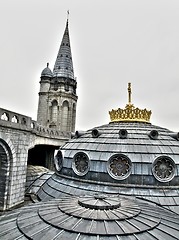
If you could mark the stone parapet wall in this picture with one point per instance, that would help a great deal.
(14, 120)
(18, 134)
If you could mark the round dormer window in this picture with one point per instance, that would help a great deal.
(163, 169)
(80, 164)
(119, 166)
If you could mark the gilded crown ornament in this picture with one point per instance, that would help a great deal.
(130, 113)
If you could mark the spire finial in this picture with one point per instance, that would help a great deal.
(47, 64)
(68, 13)
(129, 93)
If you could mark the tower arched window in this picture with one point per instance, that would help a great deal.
(54, 111)
(73, 117)
(65, 116)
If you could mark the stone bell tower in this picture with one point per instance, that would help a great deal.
(57, 96)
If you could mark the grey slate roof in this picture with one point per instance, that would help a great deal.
(59, 186)
(96, 205)
(95, 217)
(138, 147)
(64, 66)
(35, 177)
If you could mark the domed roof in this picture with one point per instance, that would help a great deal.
(128, 156)
(96, 217)
(127, 153)
(47, 72)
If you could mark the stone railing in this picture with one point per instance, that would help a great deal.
(13, 119)
(18, 121)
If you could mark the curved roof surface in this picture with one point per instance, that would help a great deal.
(46, 72)
(95, 217)
(133, 158)
(137, 142)
(128, 153)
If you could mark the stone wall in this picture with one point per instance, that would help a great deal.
(19, 133)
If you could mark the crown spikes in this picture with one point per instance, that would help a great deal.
(130, 113)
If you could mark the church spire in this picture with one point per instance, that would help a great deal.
(57, 96)
(64, 65)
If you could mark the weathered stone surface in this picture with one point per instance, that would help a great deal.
(16, 138)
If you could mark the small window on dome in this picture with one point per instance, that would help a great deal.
(66, 68)
(66, 55)
(63, 44)
(59, 67)
(80, 164)
(61, 55)
(119, 166)
(163, 169)
(58, 160)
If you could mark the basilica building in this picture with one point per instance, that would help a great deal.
(117, 181)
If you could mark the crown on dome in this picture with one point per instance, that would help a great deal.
(130, 113)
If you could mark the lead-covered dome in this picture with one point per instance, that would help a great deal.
(128, 156)
(123, 153)
(47, 72)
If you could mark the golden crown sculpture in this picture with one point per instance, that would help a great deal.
(130, 113)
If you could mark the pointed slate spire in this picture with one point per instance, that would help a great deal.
(64, 66)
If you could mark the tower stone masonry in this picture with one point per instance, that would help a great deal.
(57, 96)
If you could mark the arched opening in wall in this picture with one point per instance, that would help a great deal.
(5, 160)
(73, 117)
(5, 116)
(54, 112)
(42, 155)
(65, 116)
(15, 119)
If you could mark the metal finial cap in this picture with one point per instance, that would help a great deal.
(129, 93)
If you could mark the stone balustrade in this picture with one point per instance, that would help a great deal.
(15, 120)
(18, 135)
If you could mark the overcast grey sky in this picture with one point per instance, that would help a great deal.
(113, 42)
